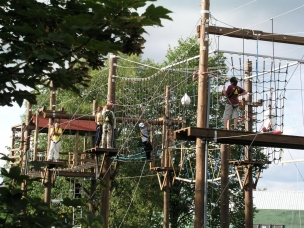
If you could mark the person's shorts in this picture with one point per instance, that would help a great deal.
(231, 111)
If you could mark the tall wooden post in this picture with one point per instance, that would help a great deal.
(200, 181)
(36, 135)
(48, 187)
(26, 145)
(225, 156)
(105, 197)
(248, 151)
(52, 107)
(166, 159)
(93, 181)
(27, 133)
(76, 148)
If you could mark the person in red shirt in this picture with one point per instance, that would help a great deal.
(232, 107)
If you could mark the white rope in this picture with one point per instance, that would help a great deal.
(238, 7)
(134, 192)
(141, 64)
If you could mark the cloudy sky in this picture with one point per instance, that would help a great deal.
(279, 16)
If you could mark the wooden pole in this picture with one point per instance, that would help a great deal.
(248, 151)
(27, 133)
(76, 148)
(105, 195)
(52, 107)
(48, 187)
(36, 135)
(93, 181)
(225, 156)
(118, 119)
(200, 212)
(26, 145)
(166, 161)
(94, 111)
(250, 34)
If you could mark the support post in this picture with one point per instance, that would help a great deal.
(248, 151)
(26, 146)
(27, 133)
(166, 159)
(199, 216)
(76, 148)
(47, 190)
(52, 107)
(48, 187)
(36, 136)
(104, 207)
(225, 155)
(93, 181)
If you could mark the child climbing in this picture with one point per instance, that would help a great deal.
(145, 138)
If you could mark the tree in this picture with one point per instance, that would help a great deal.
(59, 41)
(23, 210)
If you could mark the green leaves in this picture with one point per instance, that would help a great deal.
(23, 210)
(43, 36)
(89, 220)
(155, 14)
(14, 173)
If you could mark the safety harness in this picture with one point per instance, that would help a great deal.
(233, 105)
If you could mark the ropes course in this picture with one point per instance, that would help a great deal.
(140, 95)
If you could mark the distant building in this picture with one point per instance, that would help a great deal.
(278, 209)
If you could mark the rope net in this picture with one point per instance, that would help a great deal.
(141, 95)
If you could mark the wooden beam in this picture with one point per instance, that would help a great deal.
(250, 34)
(76, 174)
(61, 115)
(241, 138)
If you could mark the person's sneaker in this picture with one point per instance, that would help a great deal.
(49, 160)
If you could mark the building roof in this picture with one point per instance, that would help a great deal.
(289, 200)
(68, 125)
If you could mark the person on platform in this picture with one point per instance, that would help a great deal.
(145, 138)
(98, 121)
(109, 124)
(55, 135)
(232, 107)
(77, 189)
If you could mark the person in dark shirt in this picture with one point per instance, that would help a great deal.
(232, 107)
(145, 138)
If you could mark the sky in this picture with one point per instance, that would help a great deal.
(279, 16)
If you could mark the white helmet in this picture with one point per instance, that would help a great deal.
(141, 124)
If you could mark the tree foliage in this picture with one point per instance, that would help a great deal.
(59, 41)
(20, 210)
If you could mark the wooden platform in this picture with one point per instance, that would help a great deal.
(247, 162)
(62, 173)
(164, 169)
(52, 164)
(241, 138)
(98, 151)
